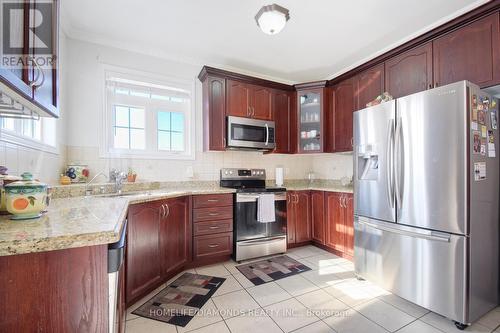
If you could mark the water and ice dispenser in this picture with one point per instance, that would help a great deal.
(367, 165)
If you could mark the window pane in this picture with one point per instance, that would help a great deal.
(177, 122)
(139, 93)
(37, 129)
(163, 140)
(177, 99)
(136, 118)
(137, 139)
(8, 123)
(177, 141)
(27, 128)
(121, 116)
(121, 138)
(164, 121)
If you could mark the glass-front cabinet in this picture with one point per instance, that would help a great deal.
(311, 119)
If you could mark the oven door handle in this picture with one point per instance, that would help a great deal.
(242, 197)
(262, 241)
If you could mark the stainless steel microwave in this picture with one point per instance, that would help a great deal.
(245, 133)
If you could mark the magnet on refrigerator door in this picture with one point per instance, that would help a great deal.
(479, 171)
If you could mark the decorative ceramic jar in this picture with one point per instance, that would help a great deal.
(79, 173)
(27, 198)
(5, 180)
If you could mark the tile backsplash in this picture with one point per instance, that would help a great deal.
(48, 166)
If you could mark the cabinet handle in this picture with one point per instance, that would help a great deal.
(213, 227)
(352, 142)
(436, 85)
(248, 111)
(162, 211)
(39, 71)
(213, 214)
(213, 245)
(296, 198)
(168, 210)
(430, 85)
(253, 111)
(213, 200)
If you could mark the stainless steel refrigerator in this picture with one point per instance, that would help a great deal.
(426, 182)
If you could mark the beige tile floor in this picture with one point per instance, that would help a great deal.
(327, 299)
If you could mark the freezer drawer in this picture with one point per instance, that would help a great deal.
(425, 267)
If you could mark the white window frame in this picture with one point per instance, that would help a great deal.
(106, 149)
(15, 137)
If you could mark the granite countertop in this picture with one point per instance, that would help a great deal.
(80, 221)
(322, 187)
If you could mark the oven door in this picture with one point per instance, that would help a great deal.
(250, 133)
(247, 227)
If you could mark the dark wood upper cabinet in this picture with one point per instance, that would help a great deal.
(318, 216)
(340, 124)
(37, 80)
(368, 85)
(239, 96)
(281, 108)
(262, 103)
(409, 72)
(469, 53)
(176, 234)
(312, 105)
(214, 114)
(144, 250)
(247, 100)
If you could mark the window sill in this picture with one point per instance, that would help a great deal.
(18, 140)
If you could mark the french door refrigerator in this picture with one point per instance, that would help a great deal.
(426, 182)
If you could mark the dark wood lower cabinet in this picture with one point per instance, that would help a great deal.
(55, 291)
(339, 221)
(176, 235)
(158, 244)
(318, 216)
(298, 217)
(144, 251)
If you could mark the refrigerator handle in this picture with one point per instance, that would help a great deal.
(399, 161)
(390, 163)
(427, 235)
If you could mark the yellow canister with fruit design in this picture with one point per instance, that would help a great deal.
(27, 198)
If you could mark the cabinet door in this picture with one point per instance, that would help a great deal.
(281, 111)
(176, 234)
(343, 108)
(45, 90)
(144, 268)
(262, 103)
(214, 114)
(290, 217)
(302, 216)
(239, 97)
(310, 120)
(318, 216)
(349, 225)
(368, 85)
(409, 72)
(334, 221)
(469, 53)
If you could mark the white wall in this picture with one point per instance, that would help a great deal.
(333, 166)
(84, 109)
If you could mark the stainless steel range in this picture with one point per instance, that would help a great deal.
(253, 238)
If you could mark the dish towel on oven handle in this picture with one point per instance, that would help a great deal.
(265, 208)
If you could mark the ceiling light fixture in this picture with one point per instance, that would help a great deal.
(271, 19)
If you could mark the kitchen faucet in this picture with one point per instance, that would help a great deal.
(117, 177)
(88, 191)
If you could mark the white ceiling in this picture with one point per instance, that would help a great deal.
(322, 39)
